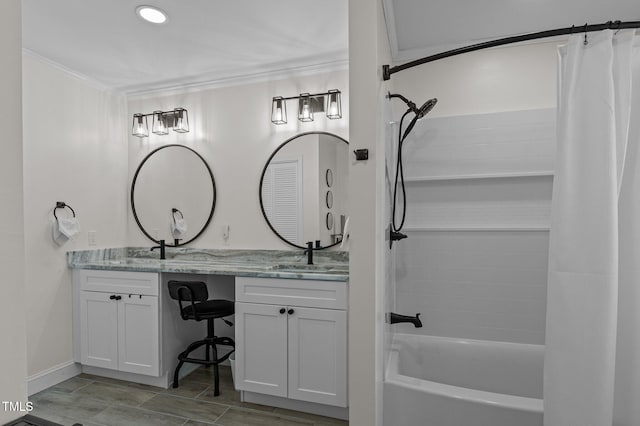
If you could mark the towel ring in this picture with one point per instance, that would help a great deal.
(62, 205)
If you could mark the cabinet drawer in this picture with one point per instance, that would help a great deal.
(145, 283)
(306, 293)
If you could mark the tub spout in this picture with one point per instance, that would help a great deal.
(396, 318)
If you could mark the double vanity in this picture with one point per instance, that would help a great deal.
(290, 320)
(290, 323)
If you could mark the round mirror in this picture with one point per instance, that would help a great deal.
(329, 199)
(293, 189)
(173, 195)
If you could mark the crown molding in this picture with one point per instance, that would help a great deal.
(68, 71)
(258, 74)
(337, 61)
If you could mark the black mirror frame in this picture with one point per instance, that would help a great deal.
(264, 171)
(133, 187)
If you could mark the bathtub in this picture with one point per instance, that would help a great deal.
(440, 381)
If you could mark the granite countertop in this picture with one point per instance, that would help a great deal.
(328, 265)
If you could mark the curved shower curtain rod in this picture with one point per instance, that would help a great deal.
(387, 70)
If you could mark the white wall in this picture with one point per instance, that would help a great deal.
(482, 284)
(75, 150)
(368, 50)
(231, 129)
(509, 78)
(13, 368)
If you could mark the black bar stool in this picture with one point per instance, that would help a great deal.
(198, 307)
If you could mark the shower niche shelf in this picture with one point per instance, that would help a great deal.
(505, 175)
(515, 204)
(476, 228)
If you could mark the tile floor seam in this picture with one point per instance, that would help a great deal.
(111, 403)
(220, 416)
(201, 393)
(115, 405)
(193, 399)
(82, 387)
(90, 418)
(189, 415)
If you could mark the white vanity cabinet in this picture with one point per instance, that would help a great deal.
(291, 339)
(118, 324)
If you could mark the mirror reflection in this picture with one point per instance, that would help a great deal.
(294, 185)
(173, 195)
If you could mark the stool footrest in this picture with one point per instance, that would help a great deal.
(182, 357)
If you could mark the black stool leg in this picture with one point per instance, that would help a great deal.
(216, 372)
(210, 335)
(177, 372)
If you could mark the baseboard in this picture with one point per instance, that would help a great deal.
(292, 404)
(52, 376)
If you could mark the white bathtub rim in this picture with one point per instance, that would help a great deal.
(521, 403)
(414, 337)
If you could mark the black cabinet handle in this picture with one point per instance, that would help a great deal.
(290, 311)
(283, 310)
(118, 297)
(112, 297)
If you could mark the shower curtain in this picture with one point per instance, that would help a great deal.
(592, 357)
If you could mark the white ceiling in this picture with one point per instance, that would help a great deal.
(215, 40)
(419, 28)
(203, 40)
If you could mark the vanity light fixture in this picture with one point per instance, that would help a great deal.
(178, 120)
(181, 123)
(140, 127)
(278, 110)
(308, 105)
(305, 110)
(159, 123)
(334, 107)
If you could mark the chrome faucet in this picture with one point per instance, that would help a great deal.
(162, 249)
(396, 318)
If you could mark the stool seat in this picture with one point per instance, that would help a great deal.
(194, 303)
(216, 308)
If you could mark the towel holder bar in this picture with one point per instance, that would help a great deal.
(62, 205)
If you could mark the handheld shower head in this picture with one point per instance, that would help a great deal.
(402, 135)
(426, 108)
(419, 112)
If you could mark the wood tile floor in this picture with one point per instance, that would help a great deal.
(98, 401)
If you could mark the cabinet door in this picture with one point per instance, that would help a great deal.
(98, 330)
(138, 332)
(261, 348)
(318, 355)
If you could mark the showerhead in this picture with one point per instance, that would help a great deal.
(426, 108)
(419, 112)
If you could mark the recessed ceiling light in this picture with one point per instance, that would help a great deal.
(151, 14)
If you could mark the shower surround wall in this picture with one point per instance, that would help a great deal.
(475, 262)
(479, 191)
